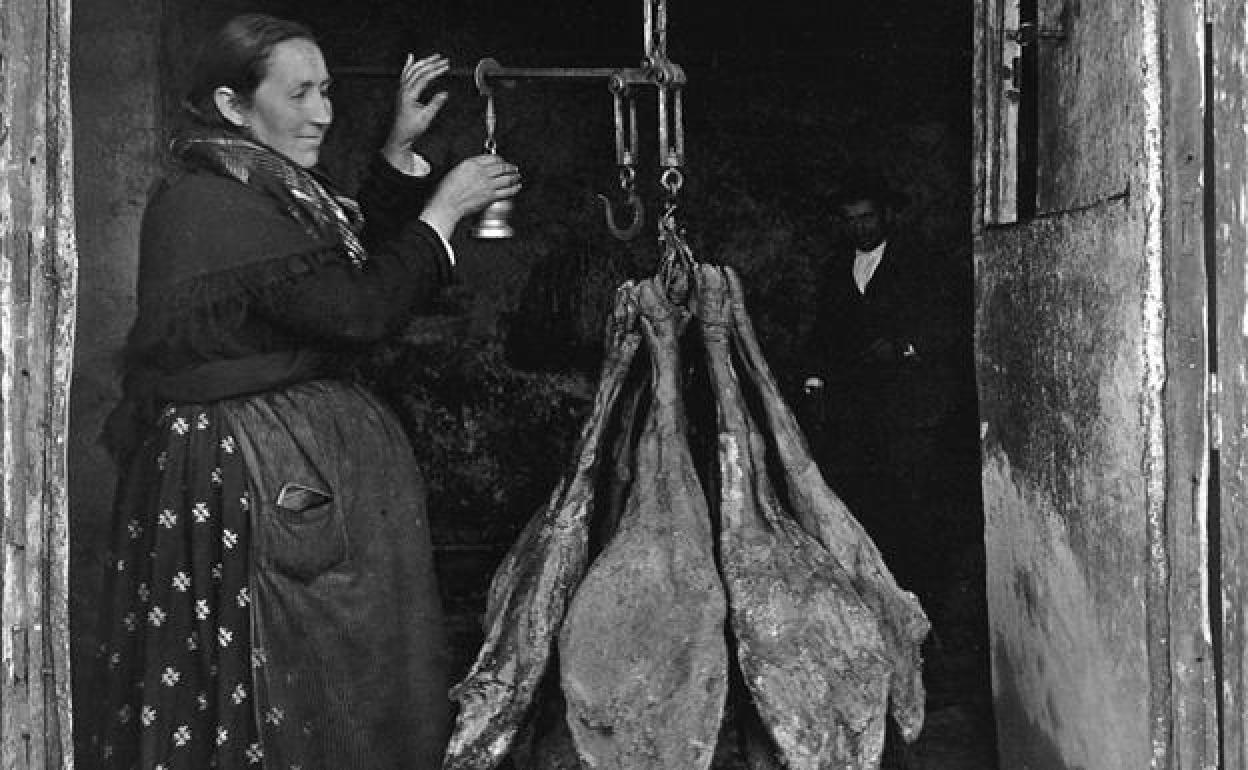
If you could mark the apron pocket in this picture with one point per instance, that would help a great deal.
(306, 535)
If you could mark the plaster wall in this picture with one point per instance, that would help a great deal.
(1062, 367)
(1086, 102)
(117, 137)
(1068, 325)
(117, 141)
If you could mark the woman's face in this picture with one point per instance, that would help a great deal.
(290, 110)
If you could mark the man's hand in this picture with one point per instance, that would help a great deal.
(412, 116)
(885, 351)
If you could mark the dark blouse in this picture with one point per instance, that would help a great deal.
(339, 646)
(226, 274)
(235, 297)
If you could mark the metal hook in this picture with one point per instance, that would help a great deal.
(633, 201)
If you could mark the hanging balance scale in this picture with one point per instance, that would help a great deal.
(655, 70)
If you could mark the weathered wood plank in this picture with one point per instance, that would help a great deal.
(61, 269)
(16, 199)
(37, 285)
(1192, 712)
(1229, 51)
(996, 112)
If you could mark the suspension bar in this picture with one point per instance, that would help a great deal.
(652, 75)
(661, 73)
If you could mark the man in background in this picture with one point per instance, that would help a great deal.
(889, 392)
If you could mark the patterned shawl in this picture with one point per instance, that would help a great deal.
(305, 195)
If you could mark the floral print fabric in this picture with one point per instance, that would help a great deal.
(275, 602)
(180, 660)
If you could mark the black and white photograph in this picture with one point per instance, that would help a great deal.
(659, 385)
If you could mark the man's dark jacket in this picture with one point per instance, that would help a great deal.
(912, 301)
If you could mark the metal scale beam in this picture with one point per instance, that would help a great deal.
(655, 70)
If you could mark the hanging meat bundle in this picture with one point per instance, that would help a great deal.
(643, 659)
(809, 648)
(531, 587)
(823, 515)
(752, 572)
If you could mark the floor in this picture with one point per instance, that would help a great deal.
(958, 731)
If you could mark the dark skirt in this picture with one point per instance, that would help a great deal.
(275, 603)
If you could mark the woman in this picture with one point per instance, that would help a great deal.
(275, 603)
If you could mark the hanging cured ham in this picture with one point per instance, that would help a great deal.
(643, 659)
(530, 589)
(809, 648)
(822, 514)
(628, 605)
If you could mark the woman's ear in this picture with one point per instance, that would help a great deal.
(229, 105)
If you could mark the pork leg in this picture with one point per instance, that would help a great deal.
(642, 652)
(823, 515)
(530, 589)
(620, 479)
(810, 650)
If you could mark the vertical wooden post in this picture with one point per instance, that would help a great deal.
(997, 58)
(37, 292)
(1191, 721)
(1228, 20)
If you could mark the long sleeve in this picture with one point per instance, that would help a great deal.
(339, 303)
(390, 199)
(225, 273)
(236, 296)
(836, 339)
(329, 300)
(923, 304)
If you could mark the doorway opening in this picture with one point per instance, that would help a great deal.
(776, 113)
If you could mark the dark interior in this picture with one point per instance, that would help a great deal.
(782, 98)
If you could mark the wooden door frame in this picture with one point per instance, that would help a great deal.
(1168, 127)
(38, 286)
(1228, 52)
(1184, 682)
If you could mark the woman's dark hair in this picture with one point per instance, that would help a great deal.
(237, 57)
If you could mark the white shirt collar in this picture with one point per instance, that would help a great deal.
(865, 263)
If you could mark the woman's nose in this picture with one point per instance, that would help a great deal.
(322, 111)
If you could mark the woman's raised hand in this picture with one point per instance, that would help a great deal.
(412, 114)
